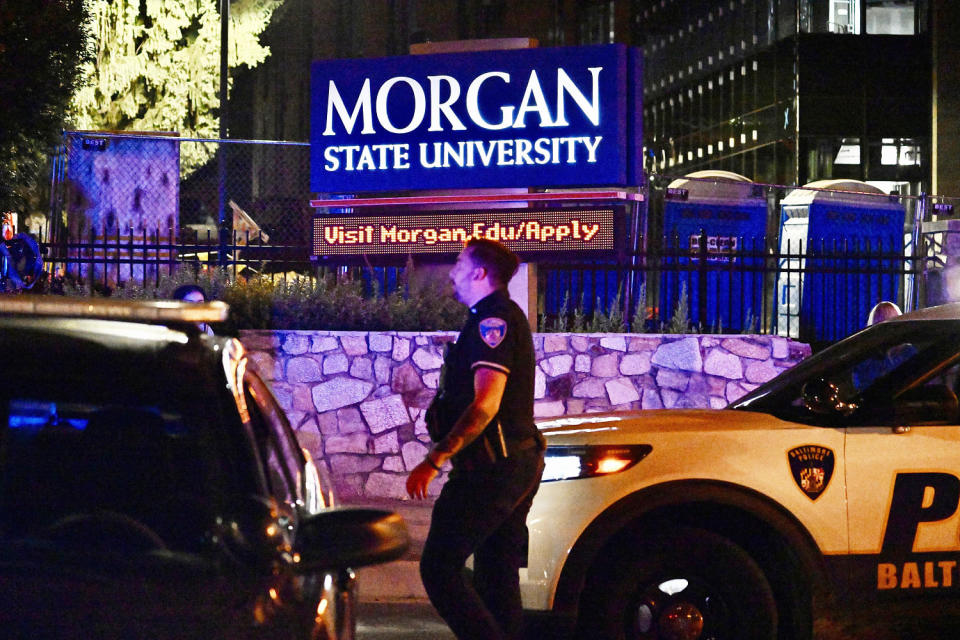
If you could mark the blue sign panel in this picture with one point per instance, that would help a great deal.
(519, 118)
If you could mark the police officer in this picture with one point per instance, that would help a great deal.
(482, 420)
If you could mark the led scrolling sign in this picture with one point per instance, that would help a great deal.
(524, 231)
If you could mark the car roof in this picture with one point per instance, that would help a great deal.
(949, 311)
(146, 345)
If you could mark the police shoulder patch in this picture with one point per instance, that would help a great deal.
(493, 331)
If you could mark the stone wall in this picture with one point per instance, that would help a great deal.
(357, 399)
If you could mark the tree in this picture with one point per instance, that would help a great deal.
(42, 46)
(156, 66)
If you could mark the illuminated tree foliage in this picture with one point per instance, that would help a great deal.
(41, 48)
(156, 66)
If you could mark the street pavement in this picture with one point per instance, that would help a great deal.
(393, 604)
(400, 579)
(400, 620)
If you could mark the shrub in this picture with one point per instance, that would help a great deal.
(326, 302)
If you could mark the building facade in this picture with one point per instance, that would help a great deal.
(781, 91)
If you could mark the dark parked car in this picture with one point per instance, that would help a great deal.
(151, 487)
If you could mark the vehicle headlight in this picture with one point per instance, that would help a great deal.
(565, 462)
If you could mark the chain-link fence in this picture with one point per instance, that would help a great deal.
(714, 252)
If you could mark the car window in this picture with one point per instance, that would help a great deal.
(60, 458)
(870, 372)
(277, 447)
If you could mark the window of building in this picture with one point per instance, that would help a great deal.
(844, 16)
(597, 22)
(893, 17)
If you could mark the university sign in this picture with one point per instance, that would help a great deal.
(529, 118)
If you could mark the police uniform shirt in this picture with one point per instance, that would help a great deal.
(496, 336)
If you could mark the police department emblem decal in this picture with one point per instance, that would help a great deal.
(812, 467)
(493, 331)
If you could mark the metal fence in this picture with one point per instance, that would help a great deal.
(718, 252)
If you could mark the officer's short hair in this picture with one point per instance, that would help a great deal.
(497, 259)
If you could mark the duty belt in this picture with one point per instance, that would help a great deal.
(495, 447)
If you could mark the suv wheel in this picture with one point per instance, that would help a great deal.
(689, 584)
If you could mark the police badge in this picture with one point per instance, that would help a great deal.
(812, 467)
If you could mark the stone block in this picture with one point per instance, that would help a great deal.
(323, 343)
(746, 348)
(387, 443)
(386, 485)
(548, 409)
(311, 440)
(557, 365)
(327, 423)
(431, 379)
(427, 359)
(589, 388)
(582, 363)
(393, 464)
(539, 383)
(401, 349)
(605, 366)
(651, 399)
(381, 342)
(579, 343)
(683, 354)
(361, 368)
(636, 364)
(733, 391)
(560, 388)
(267, 365)
(354, 345)
(643, 344)
(382, 368)
(349, 420)
(670, 379)
(303, 369)
(723, 364)
(351, 443)
(669, 398)
(348, 464)
(553, 342)
(295, 343)
(384, 413)
(335, 363)
(413, 453)
(575, 405)
(779, 347)
(405, 379)
(614, 343)
(339, 392)
(691, 401)
(621, 391)
(257, 340)
(717, 403)
(759, 372)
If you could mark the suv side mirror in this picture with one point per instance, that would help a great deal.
(350, 537)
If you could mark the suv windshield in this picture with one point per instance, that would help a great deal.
(870, 371)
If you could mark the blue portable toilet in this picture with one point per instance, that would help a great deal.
(730, 210)
(839, 242)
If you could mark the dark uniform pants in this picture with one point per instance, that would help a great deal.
(481, 512)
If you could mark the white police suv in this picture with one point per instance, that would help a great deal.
(830, 492)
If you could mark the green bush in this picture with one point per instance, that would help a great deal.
(326, 302)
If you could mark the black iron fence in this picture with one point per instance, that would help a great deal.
(815, 293)
(717, 252)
